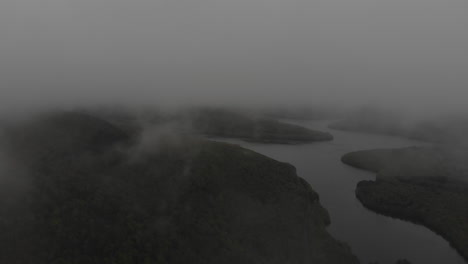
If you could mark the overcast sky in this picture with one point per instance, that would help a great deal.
(393, 52)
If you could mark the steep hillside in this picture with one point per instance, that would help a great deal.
(90, 197)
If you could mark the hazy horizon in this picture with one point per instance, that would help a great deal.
(397, 54)
(234, 131)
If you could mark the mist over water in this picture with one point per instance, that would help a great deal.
(372, 237)
(143, 68)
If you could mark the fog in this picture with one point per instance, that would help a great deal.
(409, 54)
(129, 171)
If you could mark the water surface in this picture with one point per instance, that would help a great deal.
(372, 237)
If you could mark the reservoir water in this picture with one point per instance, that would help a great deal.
(372, 237)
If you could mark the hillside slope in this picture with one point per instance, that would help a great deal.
(91, 198)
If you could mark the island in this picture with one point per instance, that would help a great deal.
(425, 185)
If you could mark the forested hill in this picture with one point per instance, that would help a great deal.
(88, 194)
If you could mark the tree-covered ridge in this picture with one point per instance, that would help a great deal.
(225, 123)
(90, 198)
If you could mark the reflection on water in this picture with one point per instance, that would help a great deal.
(372, 237)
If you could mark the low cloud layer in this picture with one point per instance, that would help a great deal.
(402, 54)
